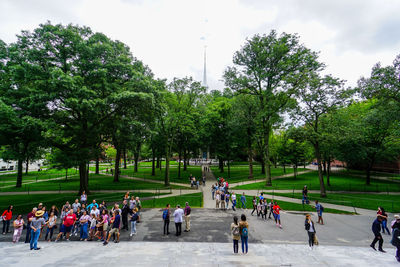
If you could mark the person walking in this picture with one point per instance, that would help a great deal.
(223, 207)
(187, 212)
(28, 227)
(277, 215)
(134, 217)
(319, 209)
(376, 229)
(213, 191)
(116, 222)
(305, 197)
(235, 230)
(51, 223)
(166, 218)
(243, 200)
(178, 213)
(18, 227)
(254, 205)
(227, 197)
(233, 197)
(244, 233)
(37, 223)
(270, 207)
(396, 236)
(204, 180)
(310, 228)
(7, 216)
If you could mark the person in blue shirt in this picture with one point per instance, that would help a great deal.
(243, 200)
(116, 222)
(376, 229)
(90, 206)
(261, 197)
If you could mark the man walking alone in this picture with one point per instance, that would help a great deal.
(376, 229)
(187, 217)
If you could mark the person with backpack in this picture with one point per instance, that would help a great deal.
(244, 233)
(310, 228)
(396, 236)
(319, 209)
(235, 230)
(165, 216)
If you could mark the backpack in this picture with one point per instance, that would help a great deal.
(235, 231)
(245, 232)
(165, 214)
(322, 208)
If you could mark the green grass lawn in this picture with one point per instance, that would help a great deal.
(365, 201)
(145, 173)
(96, 182)
(240, 173)
(24, 203)
(195, 201)
(290, 206)
(32, 176)
(339, 182)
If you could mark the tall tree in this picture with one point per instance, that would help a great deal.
(272, 68)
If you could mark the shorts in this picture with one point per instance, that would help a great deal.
(66, 229)
(319, 213)
(277, 216)
(105, 226)
(114, 230)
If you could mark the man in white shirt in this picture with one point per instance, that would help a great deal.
(178, 213)
(95, 211)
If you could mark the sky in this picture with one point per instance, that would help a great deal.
(170, 36)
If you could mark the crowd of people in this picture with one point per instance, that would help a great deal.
(92, 221)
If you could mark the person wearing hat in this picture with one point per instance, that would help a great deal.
(37, 223)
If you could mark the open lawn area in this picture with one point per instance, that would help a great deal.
(240, 173)
(287, 206)
(96, 182)
(24, 203)
(365, 201)
(195, 201)
(339, 182)
(145, 173)
(33, 176)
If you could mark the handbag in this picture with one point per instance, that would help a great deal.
(316, 240)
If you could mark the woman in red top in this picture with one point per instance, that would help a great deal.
(7, 215)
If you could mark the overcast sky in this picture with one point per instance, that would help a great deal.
(169, 36)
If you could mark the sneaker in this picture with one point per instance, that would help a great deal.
(36, 248)
(105, 243)
(280, 226)
(130, 234)
(381, 250)
(68, 240)
(372, 247)
(56, 240)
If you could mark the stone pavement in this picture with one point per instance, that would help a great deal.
(190, 254)
(207, 196)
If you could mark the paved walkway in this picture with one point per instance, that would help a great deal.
(210, 180)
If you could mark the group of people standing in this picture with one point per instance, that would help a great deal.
(178, 215)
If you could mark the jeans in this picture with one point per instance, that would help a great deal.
(133, 227)
(166, 227)
(235, 246)
(244, 243)
(234, 205)
(378, 237)
(49, 230)
(178, 228)
(243, 205)
(84, 231)
(6, 226)
(28, 233)
(34, 238)
(311, 238)
(384, 226)
(304, 199)
(212, 193)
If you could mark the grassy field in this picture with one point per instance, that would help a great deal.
(195, 201)
(240, 173)
(339, 182)
(24, 203)
(365, 201)
(96, 182)
(32, 176)
(290, 206)
(145, 173)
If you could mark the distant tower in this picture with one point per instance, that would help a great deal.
(205, 68)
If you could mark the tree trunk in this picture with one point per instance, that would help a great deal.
(324, 165)
(295, 171)
(125, 167)
(179, 163)
(27, 166)
(137, 155)
(66, 174)
(158, 163)
(97, 165)
(166, 177)
(229, 168)
(267, 160)
(221, 165)
(83, 186)
(19, 174)
(262, 166)
(284, 168)
(117, 162)
(184, 160)
(251, 175)
(328, 173)
(320, 175)
(153, 169)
